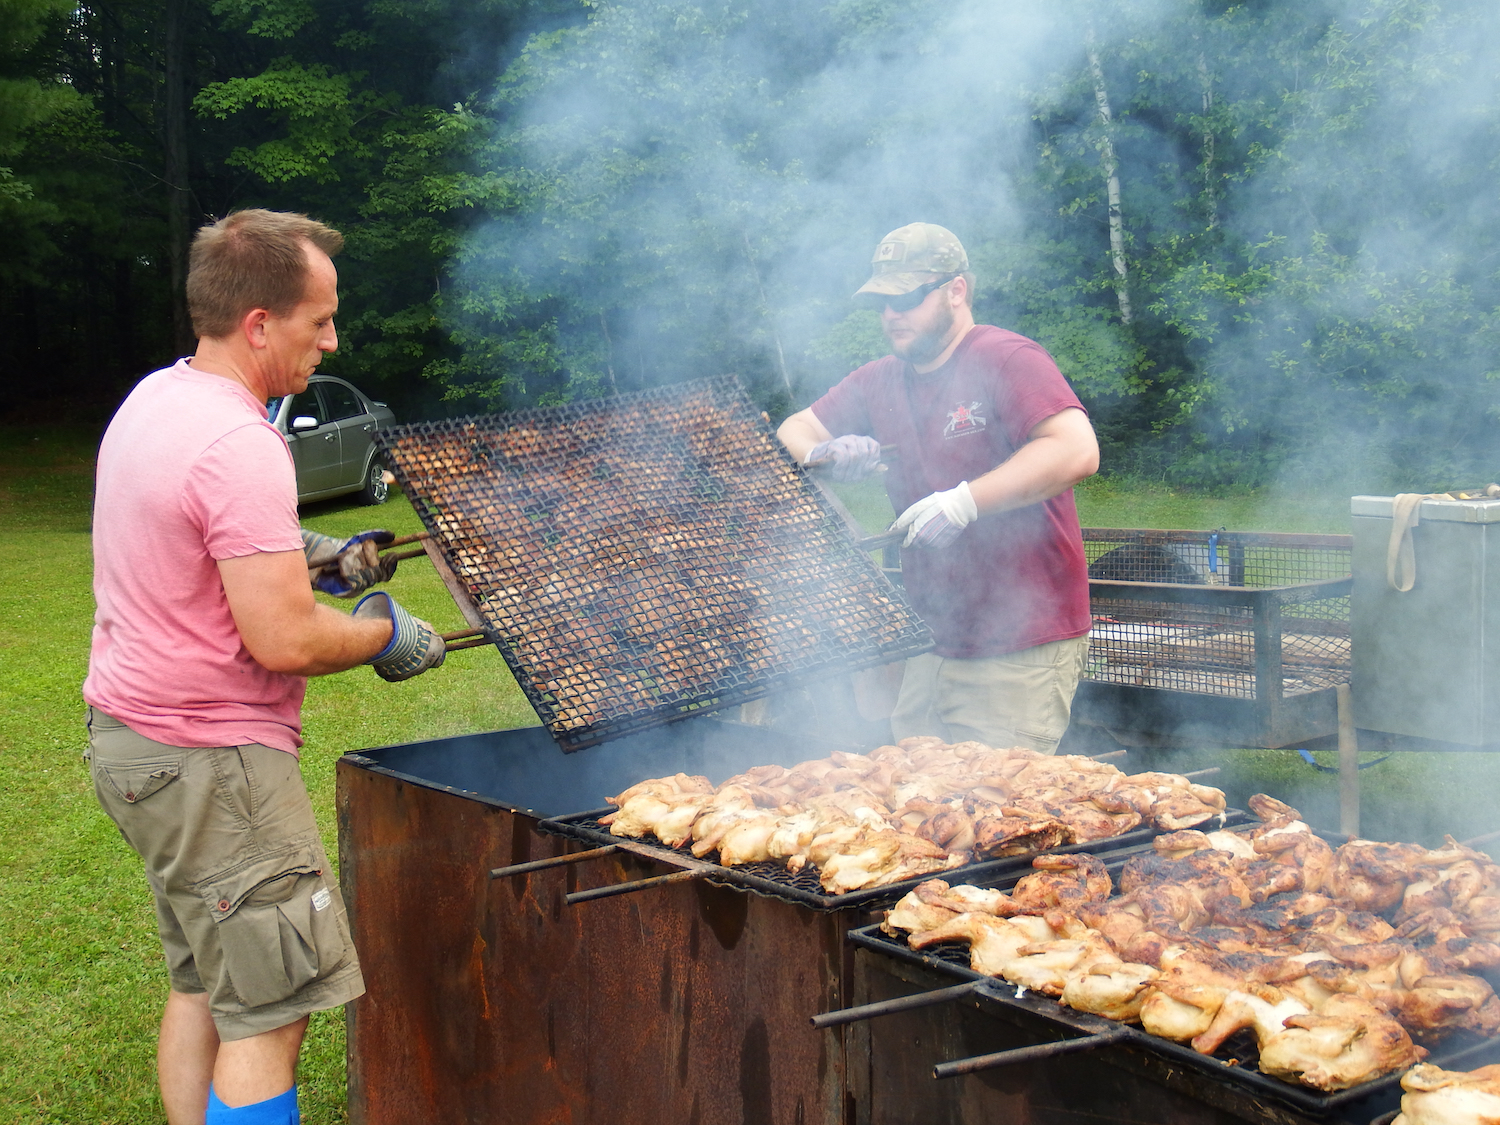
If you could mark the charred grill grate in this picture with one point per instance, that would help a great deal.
(1232, 1065)
(1269, 615)
(774, 880)
(648, 557)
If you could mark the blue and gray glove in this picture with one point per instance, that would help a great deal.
(845, 459)
(938, 520)
(347, 568)
(415, 646)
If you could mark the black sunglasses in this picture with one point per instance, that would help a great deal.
(905, 302)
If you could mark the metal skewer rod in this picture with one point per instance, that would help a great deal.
(1106, 757)
(1028, 1054)
(1477, 840)
(1203, 773)
(900, 1004)
(555, 861)
(629, 888)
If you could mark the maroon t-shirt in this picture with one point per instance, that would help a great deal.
(1012, 580)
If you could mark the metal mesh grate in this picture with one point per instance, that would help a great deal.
(1215, 558)
(1211, 648)
(647, 557)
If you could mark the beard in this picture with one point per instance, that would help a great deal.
(924, 347)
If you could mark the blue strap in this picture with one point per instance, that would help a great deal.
(1310, 760)
(280, 1110)
(1213, 552)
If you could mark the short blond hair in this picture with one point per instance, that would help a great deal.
(251, 259)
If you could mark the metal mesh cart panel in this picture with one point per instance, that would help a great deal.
(1219, 613)
(647, 557)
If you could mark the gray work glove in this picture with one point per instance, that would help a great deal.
(347, 568)
(936, 521)
(845, 459)
(415, 645)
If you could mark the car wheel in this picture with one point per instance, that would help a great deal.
(375, 490)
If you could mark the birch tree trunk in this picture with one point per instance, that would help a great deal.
(1111, 182)
(1210, 188)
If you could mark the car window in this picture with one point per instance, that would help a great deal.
(272, 405)
(305, 405)
(341, 401)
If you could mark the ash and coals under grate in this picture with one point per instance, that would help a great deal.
(643, 558)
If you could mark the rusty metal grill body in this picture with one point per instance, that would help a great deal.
(1216, 637)
(644, 558)
(493, 1001)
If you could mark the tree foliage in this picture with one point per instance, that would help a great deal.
(547, 199)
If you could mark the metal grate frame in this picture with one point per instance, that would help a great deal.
(648, 557)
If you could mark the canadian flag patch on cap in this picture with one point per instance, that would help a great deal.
(890, 252)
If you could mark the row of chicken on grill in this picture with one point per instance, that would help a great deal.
(1337, 960)
(918, 807)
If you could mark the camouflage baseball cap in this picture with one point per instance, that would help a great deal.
(908, 256)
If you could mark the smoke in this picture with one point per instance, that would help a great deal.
(1309, 210)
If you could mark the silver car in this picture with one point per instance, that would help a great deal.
(330, 428)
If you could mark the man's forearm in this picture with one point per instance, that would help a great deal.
(1061, 452)
(285, 628)
(800, 432)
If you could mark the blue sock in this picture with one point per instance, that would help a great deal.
(280, 1110)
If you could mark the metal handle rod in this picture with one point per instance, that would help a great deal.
(403, 540)
(887, 1007)
(1477, 840)
(454, 646)
(399, 555)
(887, 450)
(630, 888)
(1106, 757)
(554, 861)
(461, 634)
(1028, 1054)
(1203, 773)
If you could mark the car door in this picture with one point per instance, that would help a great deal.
(356, 427)
(315, 451)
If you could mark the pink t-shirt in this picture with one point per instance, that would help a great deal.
(190, 472)
(1014, 579)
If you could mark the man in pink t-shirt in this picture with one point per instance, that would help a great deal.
(205, 632)
(989, 441)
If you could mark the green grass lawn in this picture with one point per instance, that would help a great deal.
(79, 957)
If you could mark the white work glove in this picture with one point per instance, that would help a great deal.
(938, 520)
(845, 459)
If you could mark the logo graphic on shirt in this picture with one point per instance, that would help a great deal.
(963, 419)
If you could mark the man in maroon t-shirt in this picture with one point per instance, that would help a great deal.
(990, 440)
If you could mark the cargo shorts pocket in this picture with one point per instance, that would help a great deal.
(278, 926)
(133, 782)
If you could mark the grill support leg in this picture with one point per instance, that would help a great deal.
(1348, 765)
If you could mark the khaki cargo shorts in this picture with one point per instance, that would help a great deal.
(1020, 699)
(246, 904)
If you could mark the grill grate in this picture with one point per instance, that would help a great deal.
(1210, 646)
(1233, 1064)
(775, 880)
(648, 557)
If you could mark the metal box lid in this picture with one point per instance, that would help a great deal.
(1455, 511)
